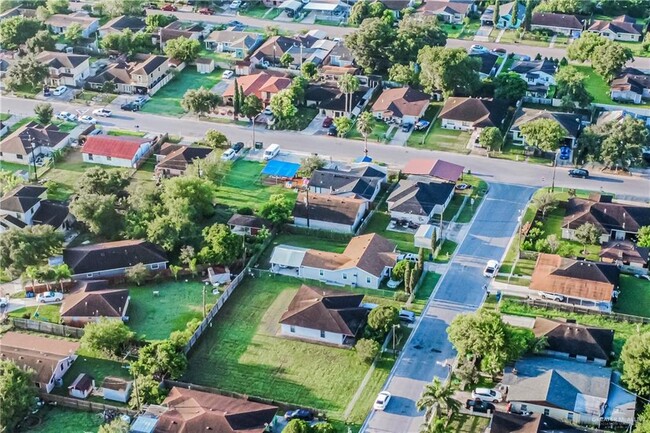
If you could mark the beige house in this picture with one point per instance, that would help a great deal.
(621, 28)
(65, 69)
(404, 105)
(30, 141)
(147, 74)
(59, 23)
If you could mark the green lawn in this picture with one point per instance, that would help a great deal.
(241, 352)
(447, 140)
(453, 207)
(304, 117)
(636, 47)
(167, 101)
(55, 419)
(155, 317)
(416, 138)
(126, 132)
(468, 424)
(446, 251)
(242, 187)
(424, 292)
(378, 134)
(4, 116)
(11, 166)
(259, 11)
(64, 126)
(599, 89)
(379, 223)
(302, 241)
(635, 297)
(44, 313)
(469, 31)
(453, 30)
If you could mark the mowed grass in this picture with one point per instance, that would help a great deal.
(599, 89)
(379, 223)
(439, 138)
(463, 423)
(241, 352)
(635, 297)
(167, 101)
(42, 312)
(155, 317)
(56, 419)
(242, 187)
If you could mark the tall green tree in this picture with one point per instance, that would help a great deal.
(623, 144)
(367, 350)
(589, 144)
(118, 425)
(510, 86)
(528, 14)
(26, 71)
(609, 59)
(252, 106)
(98, 180)
(73, 33)
(222, 246)
(160, 360)
(283, 108)
(286, 59)
(277, 209)
(371, 45)
(437, 399)
(403, 74)
(450, 70)
(115, 8)
(497, 12)
(358, 12)
(98, 213)
(587, 234)
(382, 318)
(200, 101)
(29, 246)
(565, 6)
(643, 237)
(16, 30)
(17, 394)
(348, 84)
(44, 112)
(343, 125)
(309, 70)
(582, 49)
(155, 21)
(491, 138)
(544, 134)
(413, 34)
(41, 41)
(107, 337)
(636, 363)
(58, 6)
(514, 14)
(571, 88)
(364, 126)
(236, 101)
(216, 139)
(183, 49)
(137, 274)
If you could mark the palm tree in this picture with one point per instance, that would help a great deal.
(437, 425)
(348, 84)
(438, 398)
(31, 274)
(61, 272)
(364, 126)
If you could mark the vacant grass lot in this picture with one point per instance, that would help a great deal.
(447, 140)
(55, 419)
(635, 297)
(242, 187)
(155, 317)
(599, 89)
(241, 352)
(167, 101)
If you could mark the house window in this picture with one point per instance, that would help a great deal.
(569, 416)
(345, 276)
(89, 275)
(155, 266)
(547, 412)
(108, 158)
(321, 273)
(38, 385)
(19, 157)
(322, 334)
(90, 156)
(61, 367)
(292, 328)
(524, 407)
(368, 280)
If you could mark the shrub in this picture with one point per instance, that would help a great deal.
(367, 350)
(246, 210)
(401, 296)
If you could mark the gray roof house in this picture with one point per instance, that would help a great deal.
(558, 23)
(503, 422)
(240, 44)
(417, 199)
(360, 182)
(488, 64)
(570, 122)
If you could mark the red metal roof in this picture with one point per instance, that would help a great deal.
(114, 146)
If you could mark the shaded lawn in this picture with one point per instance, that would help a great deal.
(553, 225)
(12, 166)
(302, 241)
(513, 152)
(167, 101)
(379, 223)
(46, 313)
(378, 134)
(57, 419)
(636, 47)
(453, 30)
(598, 87)
(635, 297)
(453, 207)
(304, 117)
(155, 317)
(242, 187)
(463, 423)
(242, 347)
(126, 132)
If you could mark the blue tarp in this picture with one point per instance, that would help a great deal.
(363, 159)
(281, 169)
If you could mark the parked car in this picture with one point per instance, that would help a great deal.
(462, 186)
(487, 394)
(551, 296)
(228, 155)
(413, 258)
(303, 414)
(479, 405)
(46, 91)
(206, 11)
(60, 90)
(103, 112)
(382, 400)
(422, 124)
(88, 120)
(237, 147)
(565, 153)
(64, 115)
(393, 284)
(332, 131)
(227, 74)
(49, 297)
(168, 7)
(478, 49)
(407, 316)
(4, 302)
(130, 106)
(491, 269)
(235, 23)
(141, 100)
(579, 172)
(235, 4)
(500, 51)
(327, 122)
(406, 127)
(267, 111)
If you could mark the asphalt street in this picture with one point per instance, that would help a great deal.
(428, 351)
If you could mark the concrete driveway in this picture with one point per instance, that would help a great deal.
(400, 137)
(315, 127)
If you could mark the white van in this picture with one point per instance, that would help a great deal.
(271, 152)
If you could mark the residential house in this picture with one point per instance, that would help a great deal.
(204, 65)
(26, 205)
(324, 316)
(331, 102)
(631, 85)
(570, 123)
(48, 358)
(180, 29)
(144, 76)
(117, 151)
(615, 221)
(557, 23)
(570, 391)
(188, 410)
(447, 11)
(567, 339)
(116, 389)
(263, 84)
(240, 44)
(65, 69)
(359, 182)
(417, 200)
(333, 73)
(539, 74)
(59, 23)
(269, 53)
(340, 56)
(122, 23)
(82, 386)
(365, 262)
(311, 50)
(437, 168)
(30, 141)
(488, 64)
(625, 253)
(504, 422)
(112, 259)
(506, 12)
(591, 284)
(329, 212)
(173, 159)
(623, 28)
(93, 299)
(401, 105)
(468, 114)
(250, 225)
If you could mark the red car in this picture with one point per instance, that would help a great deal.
(206, 11)
(169, 7)
(327, 122)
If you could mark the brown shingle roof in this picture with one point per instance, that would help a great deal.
(503, 422)
(605, 216)
(94, 299)
(328, 208)
(567, 337)
(547, 19)
(326, 310)
(112, 255)
(21, 141)
(61, 60)
(403, 101)
(178, 157)
(625, 252)
(435, 168)
(481, 112)
(616, 27)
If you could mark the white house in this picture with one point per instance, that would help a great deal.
(32, 140)
(82, 386)
(418, 199)
(631, 85)
(536, 72)
(65, 69)
(506, 12)
(447, 11)
(324, 316)
(118, 151)
(363, 181)
(557, 23)
(623, 28)
(48, 358)
(26, 205)
(329, 212)
(239, 43)
(570, 122)
(59, 23)
(116, 389)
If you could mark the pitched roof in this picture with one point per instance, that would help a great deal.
(115, 383)
(255, 83)
(447, 7)
(534, 66)
(282, 44)
(434, 168)
(121, 72)
(568, 337)
(123, 147)
(83, 382)
(605, 216)
(631, 79)
(503, 422)
(61, 60)
(145, 64)
(625, 252)
(402, 101)
(326, 310)
(32, 134)
(124, 22)
(65, 20)
(481, 112)
(251, 221)
(575, 278)
(178, 157)
(360, 181)
(193, 411)
(488, 61)
(94, 299)
(547, 19)
(51, 212)
(237, 39)
(419, 197)
(570, 122)
(616, 26)
(328, 208)
(22, 198)
(8, 222)
(112, 255)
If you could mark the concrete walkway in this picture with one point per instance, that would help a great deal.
(498, 39)
(553, 39)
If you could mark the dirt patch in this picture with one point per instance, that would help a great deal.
(269, 324)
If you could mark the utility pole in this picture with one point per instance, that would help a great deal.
(554, 169)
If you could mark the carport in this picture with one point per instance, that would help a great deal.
(286, 260)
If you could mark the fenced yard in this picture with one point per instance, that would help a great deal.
(599, 89)
(167, 100)
(56, 419)
(634, 298)
(302, 241)
(379, 223)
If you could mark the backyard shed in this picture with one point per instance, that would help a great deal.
(82, 386)
(425, 235)
(116, 389)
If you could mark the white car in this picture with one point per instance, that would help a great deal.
(413, 258)
(4, 302)
(393, 284)
(229, 155)
(267, 111)
(491, 269)
(64, 115)
(49, 297)
(487, 394)
(87, 119)
(59, 90)
(235, 4)
(382, 400)
(478, 49)
(227, 74)
(103, 112)
(551, 296)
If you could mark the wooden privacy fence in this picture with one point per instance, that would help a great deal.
(47, 327)
(89, 406)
